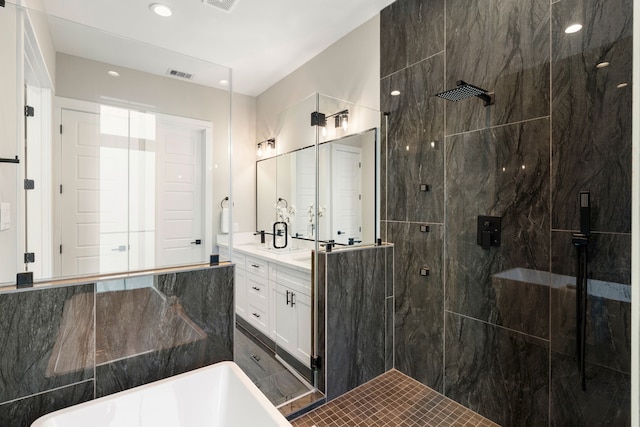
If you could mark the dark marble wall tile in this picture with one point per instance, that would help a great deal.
(500, 374)
(419, 301)
(415, 154)
(591, 115)
(501, 172)
(606, 401)
(194, 328)
(322, 318)
(388, 270)
(388, 334)
(501, 46)
(355, 304)
(23, 412)
(34, 329)
(410, 31)
(608, 341)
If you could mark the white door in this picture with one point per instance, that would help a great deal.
(94, 197)
(180, 158)
(346, 203)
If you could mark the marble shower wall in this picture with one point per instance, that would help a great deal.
(495, 329)
(53, 354)
(357, 295)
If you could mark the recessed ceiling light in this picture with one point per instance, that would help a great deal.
(161, 10)
(621, 85)
(395, 92)
(574, 28)
(602, 64)
(113, 73)
(224, 82)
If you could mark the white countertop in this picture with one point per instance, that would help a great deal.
(297, 259)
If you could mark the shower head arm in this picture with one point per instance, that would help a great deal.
(487, 97)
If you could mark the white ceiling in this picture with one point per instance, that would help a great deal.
(261, 41)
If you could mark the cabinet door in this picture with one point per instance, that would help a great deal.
(241, 293)
(302, 306)
(286, 328)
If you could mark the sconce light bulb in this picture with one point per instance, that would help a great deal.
(268, 148)
(345, 122)
(259, 150)
(324, 131)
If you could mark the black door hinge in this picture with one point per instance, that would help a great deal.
(316, 363)
(29, 111)
(29, 257)
(60, 129)
(61, 249)
(29, 184)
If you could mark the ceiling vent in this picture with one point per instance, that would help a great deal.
(226, 5)
(181, 74)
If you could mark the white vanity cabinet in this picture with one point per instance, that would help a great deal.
(274, 296)
(291, 290)
(257, 293)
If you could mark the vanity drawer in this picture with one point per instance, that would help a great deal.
(257, 266)
(257, 288)
(257, 316)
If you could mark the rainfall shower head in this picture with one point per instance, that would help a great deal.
(466, 90)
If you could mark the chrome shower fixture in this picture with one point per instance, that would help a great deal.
(466, 90)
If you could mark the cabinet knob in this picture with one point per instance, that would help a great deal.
(255, 288)
(256, 315)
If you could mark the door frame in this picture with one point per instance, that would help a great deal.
(62, 103)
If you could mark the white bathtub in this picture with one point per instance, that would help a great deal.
(216, 395)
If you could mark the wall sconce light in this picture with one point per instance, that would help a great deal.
(266, 147)
(341, 119)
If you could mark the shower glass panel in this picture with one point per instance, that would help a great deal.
(320, 188)
(124, 165)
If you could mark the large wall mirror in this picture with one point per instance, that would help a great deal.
(347, 195)
(122, 159)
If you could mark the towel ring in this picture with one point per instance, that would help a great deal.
(226, 199)
(280, 199)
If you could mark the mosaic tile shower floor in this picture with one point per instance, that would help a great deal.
(392, 399)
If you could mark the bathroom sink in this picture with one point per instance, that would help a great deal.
(283, 251)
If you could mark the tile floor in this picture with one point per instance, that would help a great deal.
(392, 399)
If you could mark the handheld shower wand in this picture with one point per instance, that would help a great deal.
(581, 242)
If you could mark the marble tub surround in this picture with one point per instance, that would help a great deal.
(355, 305)
(48, 356)
(559, 125)
(206, 306)
(30, 324)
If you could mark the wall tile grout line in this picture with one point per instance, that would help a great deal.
(48, 391)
